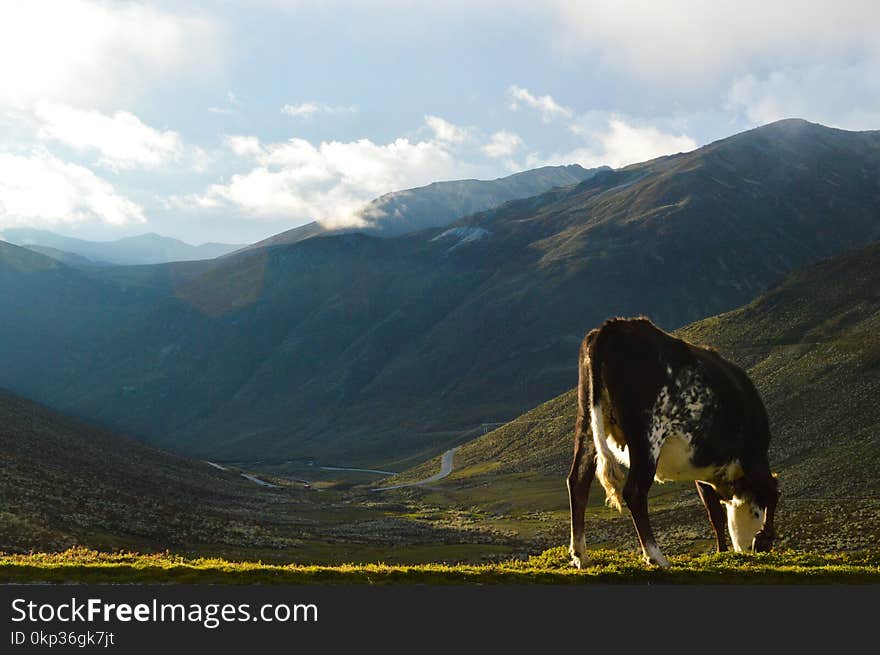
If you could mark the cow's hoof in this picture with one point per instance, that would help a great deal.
(577, 549)
(579, 561)
(652, 555)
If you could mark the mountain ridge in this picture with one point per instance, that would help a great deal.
(148, 248)
(436, 205)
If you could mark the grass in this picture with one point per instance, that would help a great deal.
(550, 567)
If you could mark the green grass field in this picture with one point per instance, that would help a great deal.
(550, 567)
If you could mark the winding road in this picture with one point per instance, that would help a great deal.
(446, 466)
(246, 476)
(345, 468)
(445, 469)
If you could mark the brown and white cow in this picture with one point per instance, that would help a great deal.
(668, 410)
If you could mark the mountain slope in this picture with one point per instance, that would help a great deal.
(439, 204)
(64, 483)
(370, 350)
(812, 347)
(68, 258)
(141, 249)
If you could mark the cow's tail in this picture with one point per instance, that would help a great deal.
(608, 469)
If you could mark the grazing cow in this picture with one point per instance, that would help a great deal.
(669, 410)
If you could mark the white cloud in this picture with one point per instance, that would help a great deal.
(233, 104)
(614, 140)
(39, 189)
(122, 140)
(329, 181)
(85, 52)
(546, 105)
(309, 109)
(502, 144)
(847, 97)
(446, 131)
(244, 146)
(303, 109)
(670, 43)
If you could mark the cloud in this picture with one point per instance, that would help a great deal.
(329, 181)
(121, 140)
(670, 43)
(244, 146)
(446, 131)
(546, 105)
(502, 144)
(614, 140)
(309, 109)
(86, 53)
(847, 97)
(39, 189)
(233, 104)
(608, 138)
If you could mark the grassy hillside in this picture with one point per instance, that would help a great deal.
(64, 484)
(550, 567)
(365, 351)
(812, 346)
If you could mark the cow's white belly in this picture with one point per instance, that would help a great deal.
(674, 462)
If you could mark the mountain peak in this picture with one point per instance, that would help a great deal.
(798, 128)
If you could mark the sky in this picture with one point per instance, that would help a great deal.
(230, 121)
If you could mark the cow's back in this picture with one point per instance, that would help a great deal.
(642, 365)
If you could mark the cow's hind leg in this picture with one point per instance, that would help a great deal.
(717, 516)
(583, 469)
(635, 493)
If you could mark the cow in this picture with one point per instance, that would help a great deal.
(666, 409)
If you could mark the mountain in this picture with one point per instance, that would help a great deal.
(377, 351)
(440, 203)
(68, 258)
(142, 249)
(812, 347)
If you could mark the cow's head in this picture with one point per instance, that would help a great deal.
(747, 519)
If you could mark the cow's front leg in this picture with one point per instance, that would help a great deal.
(635, 493)
(583, 469)
(717, 517)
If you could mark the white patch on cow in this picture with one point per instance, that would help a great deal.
(653, 555)
(674, 462)
(608, 470)
(620, 454)
(578, 550)
(744, 520)
(661, 423)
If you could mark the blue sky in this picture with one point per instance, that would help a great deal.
(231, 121)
